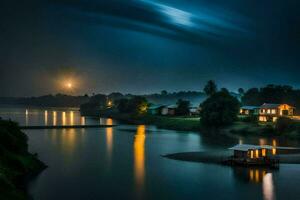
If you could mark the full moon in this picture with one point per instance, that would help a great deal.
(69, 85)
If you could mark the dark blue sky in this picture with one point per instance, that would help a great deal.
(144, 46)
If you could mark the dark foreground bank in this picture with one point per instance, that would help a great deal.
(17, 165)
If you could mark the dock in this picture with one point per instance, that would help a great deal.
(66, 126)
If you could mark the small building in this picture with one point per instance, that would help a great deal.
(172, 109)
(254, 155)
(249, 110)
(155, 109)
(194, 110)
(164, 110)
(168, 110)
(248, 151)
(271, 112)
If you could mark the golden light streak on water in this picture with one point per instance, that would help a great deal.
(139, 156)
(71, 118)
(82, 120)
(63, 118)
(257, 176)
(251, 175)
(109, 137)
(54, 120)
(268, 187)
(46, 117)
(109, 141)
(26, 117)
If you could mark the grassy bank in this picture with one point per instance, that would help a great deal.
(16, 163)
(181, 123)
(166, 122)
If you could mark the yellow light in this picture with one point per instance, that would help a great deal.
(256, 153)
(263, 152)
(139, 155)
(69, 85)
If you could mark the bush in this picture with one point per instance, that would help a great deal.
(220, 109)
(183, 107)
(134, 105)
(284, 124)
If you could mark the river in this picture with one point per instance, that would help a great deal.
(124, 162)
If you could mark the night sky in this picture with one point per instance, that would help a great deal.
(145, 46)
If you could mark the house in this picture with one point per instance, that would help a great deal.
(172, 109)
(194, 110)
(271, 112)
(248, 151)
(155, 109)
(254, 155)
(249, 110)
(168, 110)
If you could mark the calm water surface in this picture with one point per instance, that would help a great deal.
(125, 162)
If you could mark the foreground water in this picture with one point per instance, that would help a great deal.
(125, 162)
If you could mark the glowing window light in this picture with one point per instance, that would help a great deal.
(256, 153)
(263, 152)
(251, 154)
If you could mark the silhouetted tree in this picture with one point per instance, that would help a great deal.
(210, 88)
(241, 91)
(183, 107)
(164, 92)
(122, 105)
(225, 90)
(219, 109)
(136, 104)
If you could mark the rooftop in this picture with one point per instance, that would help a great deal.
(250, 107)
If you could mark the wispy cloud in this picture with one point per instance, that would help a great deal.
(158, 19)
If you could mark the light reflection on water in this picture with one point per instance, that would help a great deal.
(71, 118)
(63, 147)
(139, 157)
(49, 116)
(46, 117)
(54, 118)
(268, 187)
(109, 138)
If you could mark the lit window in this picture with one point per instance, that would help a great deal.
(256, 153)
(262, 118)
(274, 151)
(268, 111)
(263, 152)
(251, 154)
(273, 111)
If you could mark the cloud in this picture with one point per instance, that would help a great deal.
(157, 19)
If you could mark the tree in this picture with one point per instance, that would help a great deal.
(219, 109)
(122, 105)
(241, 91)
(183, 107)
(136, 105)
(164, 92)
(210, 88)
(252, 97)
